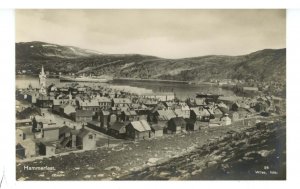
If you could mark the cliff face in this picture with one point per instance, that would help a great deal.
(267, 65)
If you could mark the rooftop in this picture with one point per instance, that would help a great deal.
(141, 125)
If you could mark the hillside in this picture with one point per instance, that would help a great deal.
(264, 65)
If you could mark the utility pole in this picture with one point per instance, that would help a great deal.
(107, 141)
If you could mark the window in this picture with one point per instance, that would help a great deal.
(90, 136)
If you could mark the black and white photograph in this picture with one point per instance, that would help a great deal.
(150, 94)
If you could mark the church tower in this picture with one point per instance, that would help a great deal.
(43, 82)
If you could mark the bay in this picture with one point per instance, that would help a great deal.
(182, 91)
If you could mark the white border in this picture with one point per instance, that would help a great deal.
(7, 93)
(81, 4)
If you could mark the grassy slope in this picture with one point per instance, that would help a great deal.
(266, 64)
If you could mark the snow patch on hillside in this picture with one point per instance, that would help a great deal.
(49, 45)
(91, 51)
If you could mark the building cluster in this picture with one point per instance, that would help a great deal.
(126, 115)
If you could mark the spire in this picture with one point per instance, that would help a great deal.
(42, 72)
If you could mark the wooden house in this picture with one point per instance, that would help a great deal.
(161, 117)
(104, 118)
(20, 151)
(86, 140)
(142, 114)
(121, 102)
(176, 125)
(129, 115)
(138, 130)
(192, 125)
(39, 122)
(117, 129)
(26, 149)
(226, 120)
(67, 110)
(234, 116)
(200, 114)
(104, 103)
(50, 133)
(83, 116)
(48, 148)
(157, 131)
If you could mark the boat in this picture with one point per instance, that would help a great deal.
(83, 79)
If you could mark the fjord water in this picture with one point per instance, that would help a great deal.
(182, 91)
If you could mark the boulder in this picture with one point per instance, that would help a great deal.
(153, 160)
(265, 153)
(112, 168)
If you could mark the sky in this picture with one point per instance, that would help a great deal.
(163, 33)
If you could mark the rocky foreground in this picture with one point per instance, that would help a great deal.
(255, 153)
(231, 152)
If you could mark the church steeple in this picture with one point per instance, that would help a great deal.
(42, 77)
(42, 72)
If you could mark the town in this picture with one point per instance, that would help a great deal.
(67, 118)
(57, 119)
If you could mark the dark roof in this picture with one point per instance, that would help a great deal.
(178, 121)
(84, 113)
(83, 132)
(156, 127)
(50, 128)
(64, 129)
(189, 121)
(142, 112)
(117, 126)
(96, 123)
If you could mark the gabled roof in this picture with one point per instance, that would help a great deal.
(141, 125)
(64, 129)
(165, 114)
(179, 113)
(50, 128)
(200, 101)
(122, 100)
(178, 121)
(130, 113)
(89, 103)
(229, 98)
(102, 99)
(84, 113)
(202, 112)
(117, 126)
(67, 105)
(96, 123)
(104, 112)
(83, 132)
(142, 112)
(57, 102)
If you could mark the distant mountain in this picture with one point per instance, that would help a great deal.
(263, 65)
(42, 50)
